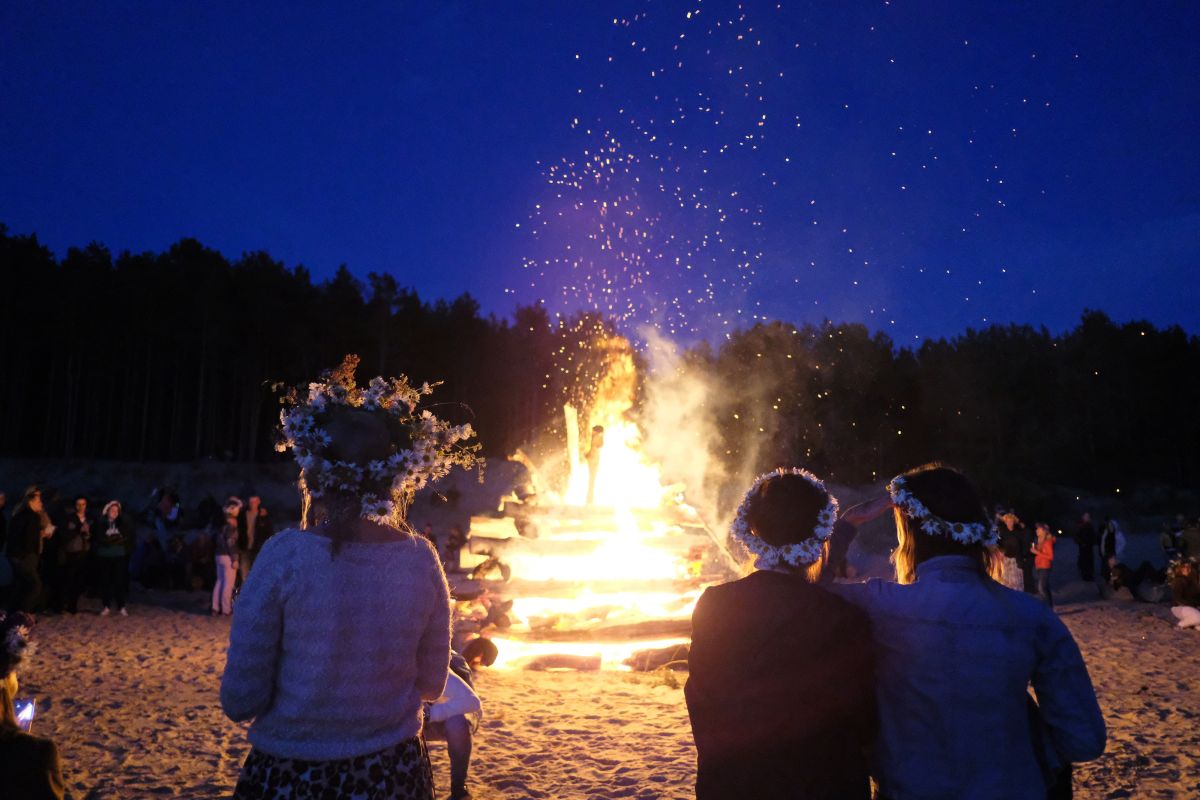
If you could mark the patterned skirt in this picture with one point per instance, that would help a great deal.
(1012, 576)
(397, 773)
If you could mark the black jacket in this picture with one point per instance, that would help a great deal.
(781, 691)
(103, 546)
(1085, 535)
(70, 538)
(25, 534)
(263, 529)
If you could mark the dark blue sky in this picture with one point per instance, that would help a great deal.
(920, 167)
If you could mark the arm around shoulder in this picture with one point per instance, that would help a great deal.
(1065, 695)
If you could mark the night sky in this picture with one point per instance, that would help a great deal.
(920, 167)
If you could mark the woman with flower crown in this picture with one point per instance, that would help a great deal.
(780, 689)
(957, 653)
(342, 630)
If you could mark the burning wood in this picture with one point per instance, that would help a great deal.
(604, 575)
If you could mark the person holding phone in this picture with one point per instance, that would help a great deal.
(29, 766)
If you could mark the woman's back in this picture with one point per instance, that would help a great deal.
(780, 691)
(956, 652)
(358, 639)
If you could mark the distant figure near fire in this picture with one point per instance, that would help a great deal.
(593, 460)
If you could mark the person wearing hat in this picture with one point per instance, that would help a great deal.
(225, 556)
(113, 542)
(29, 766)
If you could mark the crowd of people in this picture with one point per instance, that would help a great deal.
(1028, 556)
(341, 651)
(56, 550)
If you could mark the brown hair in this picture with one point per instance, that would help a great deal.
(948, 494)
(783, 510)
(358, 436)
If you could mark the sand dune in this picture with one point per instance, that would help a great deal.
(132, 703)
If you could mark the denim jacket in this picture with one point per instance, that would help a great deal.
(956, 653)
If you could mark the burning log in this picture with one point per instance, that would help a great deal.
(563, 661)
(649, 629)
(674, 657)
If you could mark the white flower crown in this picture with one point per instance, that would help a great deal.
(933, 525)
(436, 446)
(768, 555)
(18, 641)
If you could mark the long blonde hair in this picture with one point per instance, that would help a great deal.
(947, 493)
(8, 714)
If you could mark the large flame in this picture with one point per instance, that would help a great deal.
(605, 579)
(624, 479)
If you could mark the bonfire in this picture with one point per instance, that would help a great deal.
(604, 572)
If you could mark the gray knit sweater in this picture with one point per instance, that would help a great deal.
(332, 656)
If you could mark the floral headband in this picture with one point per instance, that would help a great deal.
(435, 445)
(16, 640)
(933, 525)
(768, 555)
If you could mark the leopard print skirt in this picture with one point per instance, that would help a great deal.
(397, 773)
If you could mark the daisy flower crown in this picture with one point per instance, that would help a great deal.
(796, 554)
(16, 640)
(386, 487)
(933, 525)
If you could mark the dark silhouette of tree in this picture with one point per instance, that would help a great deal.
(172, 355)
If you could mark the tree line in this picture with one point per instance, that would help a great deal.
(173, 356)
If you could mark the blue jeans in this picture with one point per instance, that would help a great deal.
(1043, 586)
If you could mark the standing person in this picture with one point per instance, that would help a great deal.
(957, 652)
(3, 521)
(1043, 562)
(113, 543)
(52, 559)
(780, 689)
(1189, 539)
(1112, 546)
(254, 528)
(343, 629)
(167, 512)
(595, 446)
(1011, 542)
(30, 526)
(74, 542)
(29, 766)
(455, 542)
(225, 558)
(1085, 538)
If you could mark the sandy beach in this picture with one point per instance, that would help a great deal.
(132, 703)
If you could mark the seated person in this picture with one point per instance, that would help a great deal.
(1121, 575)
(453, 719)
(1183, 576)
(454, 545)
(29, 766)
